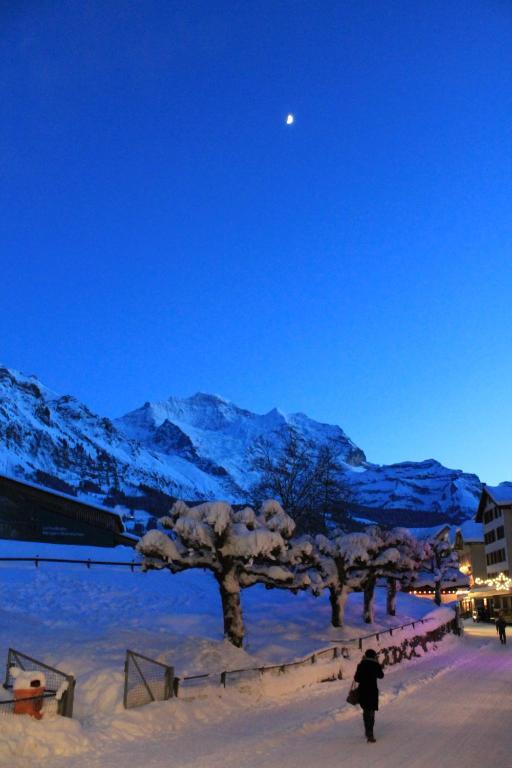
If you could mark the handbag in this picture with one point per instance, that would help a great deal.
(353, 694)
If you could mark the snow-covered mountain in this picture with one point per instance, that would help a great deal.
(218, 436)
(199, 447)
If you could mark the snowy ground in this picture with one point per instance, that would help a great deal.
(448, 705)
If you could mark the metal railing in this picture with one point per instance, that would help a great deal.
(390, 631)
(327, 654)
(235, 675)
(59, 687)
(87, 562)
(146, 680)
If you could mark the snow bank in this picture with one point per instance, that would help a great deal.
(82, 621)
(24, 739)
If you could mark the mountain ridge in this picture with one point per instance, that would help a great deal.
(199, 447)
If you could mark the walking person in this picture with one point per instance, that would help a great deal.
(367, 673)
(500, 629)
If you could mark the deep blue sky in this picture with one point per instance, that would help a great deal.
(163, 231)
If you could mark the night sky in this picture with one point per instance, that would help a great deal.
(163, 231)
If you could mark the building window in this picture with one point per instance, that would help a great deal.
(490, 537)
(496, 557)
(500, 532)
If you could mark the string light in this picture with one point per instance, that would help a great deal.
(500, 583)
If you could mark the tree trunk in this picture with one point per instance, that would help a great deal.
(369, 594)
(231, 608)
(338, 597)
(391, 597)
(437, 593)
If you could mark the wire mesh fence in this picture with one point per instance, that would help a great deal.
(47, 690)
(146, 680)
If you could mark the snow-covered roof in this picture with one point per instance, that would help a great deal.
(471, 531)
(500, 494)
(435, 531)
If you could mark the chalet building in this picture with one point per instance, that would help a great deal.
(491, 593)
(32, 513)
(495, 514)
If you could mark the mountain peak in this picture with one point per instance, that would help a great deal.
(205, 397)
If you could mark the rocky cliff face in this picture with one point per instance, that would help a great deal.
(196, 448)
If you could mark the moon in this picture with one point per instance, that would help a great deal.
(290, 119)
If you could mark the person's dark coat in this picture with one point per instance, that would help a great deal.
(367, 673)
(500, 626)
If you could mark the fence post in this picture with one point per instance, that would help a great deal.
(360, 643)
(169, 676)
(8, 666)
(125, 692)
(65, 705)
(223, 679)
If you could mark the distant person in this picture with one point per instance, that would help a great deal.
(367, 673)
(500, 629)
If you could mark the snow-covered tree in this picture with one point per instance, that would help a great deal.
(371, 555)
(441, 563)
(334, 559)
(346, 562)
(240, 548)
(402, 572)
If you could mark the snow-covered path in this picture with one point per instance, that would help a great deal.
(451, 706)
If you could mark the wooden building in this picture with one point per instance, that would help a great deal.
(32, 513)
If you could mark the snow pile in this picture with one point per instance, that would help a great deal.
(25, 740)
